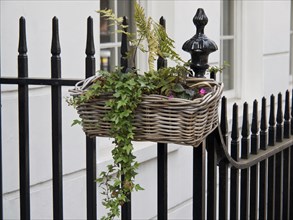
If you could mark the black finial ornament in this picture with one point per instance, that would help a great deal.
(199, 46)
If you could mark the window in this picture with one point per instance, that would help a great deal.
(110, 41)
(227, 42)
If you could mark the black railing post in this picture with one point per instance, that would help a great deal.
(211, 177)
(223, 166)
(271, 162)
(234, 186)
(254, 174)
(91, 189)
(199, 174)
(263, 185)
(244, 199)
(56, 124)
(279, 162)
(162, 165)
(23, 111)
(126, 207)
(286, 160)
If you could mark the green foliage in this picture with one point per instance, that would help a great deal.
(118, 181)
(148, 32)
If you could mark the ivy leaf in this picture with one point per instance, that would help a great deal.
(76, 122)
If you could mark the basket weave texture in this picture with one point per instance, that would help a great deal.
(158, 118)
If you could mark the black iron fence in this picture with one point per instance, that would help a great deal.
(247, 177)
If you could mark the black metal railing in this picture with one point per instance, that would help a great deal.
(259, 163)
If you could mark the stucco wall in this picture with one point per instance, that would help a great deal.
(264, 69)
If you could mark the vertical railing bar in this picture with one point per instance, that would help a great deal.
(244, 193)
(234, 183)
(56, 124)
(263, 164)
(198, 207)
(162, 166)
(91, 189)
(279, 161)
(254, 174)
(286, 160)
(223, 166)
(271, 162)
(23, 112)
(126, 207)
(291, 183)
(212, 178)
(1, 180)
(291, 165)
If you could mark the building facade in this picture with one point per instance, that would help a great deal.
(254, 37)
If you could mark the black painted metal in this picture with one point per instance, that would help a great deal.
(211, 178)
(279, 161)
(1, 173)
(272, 122)
(199, 46)
(56, 125)
(124, 47)
(244, 193)
(23, 109)
(263, 169)
(279, 126)
(287, 116)
(291, 179)
(162, 167)
(286, 160)
(234, 186)
(271, 168)
(254, 174)
(39, 81)
(199, 174)
(223, 166)
(271, 161)
(126, 208)
(90, 70)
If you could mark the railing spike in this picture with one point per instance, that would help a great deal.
(22, 46)
(245, 123)
(55, 46)
(90, 46)
(162, 62)
(287, 116)
(272, 122)
(224, 120)
(124, 47)
(254, 128)
(279, 127)
(254, 124)
(263, 125)
(235, 131)
(245, 133)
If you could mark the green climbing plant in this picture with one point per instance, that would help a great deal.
(127, 90)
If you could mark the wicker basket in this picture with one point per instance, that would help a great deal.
(158, 118)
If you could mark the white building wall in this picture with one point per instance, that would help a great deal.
(264, 70)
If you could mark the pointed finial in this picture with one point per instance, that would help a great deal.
(22, 47)
(199, 46)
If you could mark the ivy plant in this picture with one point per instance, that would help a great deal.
(127, 89)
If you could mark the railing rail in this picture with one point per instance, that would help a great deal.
(259, 160)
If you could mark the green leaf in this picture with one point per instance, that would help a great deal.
(76, 122)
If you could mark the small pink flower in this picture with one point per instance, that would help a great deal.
(202, 91)
(170, 96)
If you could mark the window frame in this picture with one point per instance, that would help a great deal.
(235, 92)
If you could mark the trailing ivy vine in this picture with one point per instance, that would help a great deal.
(127, 89)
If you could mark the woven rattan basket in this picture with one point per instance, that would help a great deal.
(158, 118)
